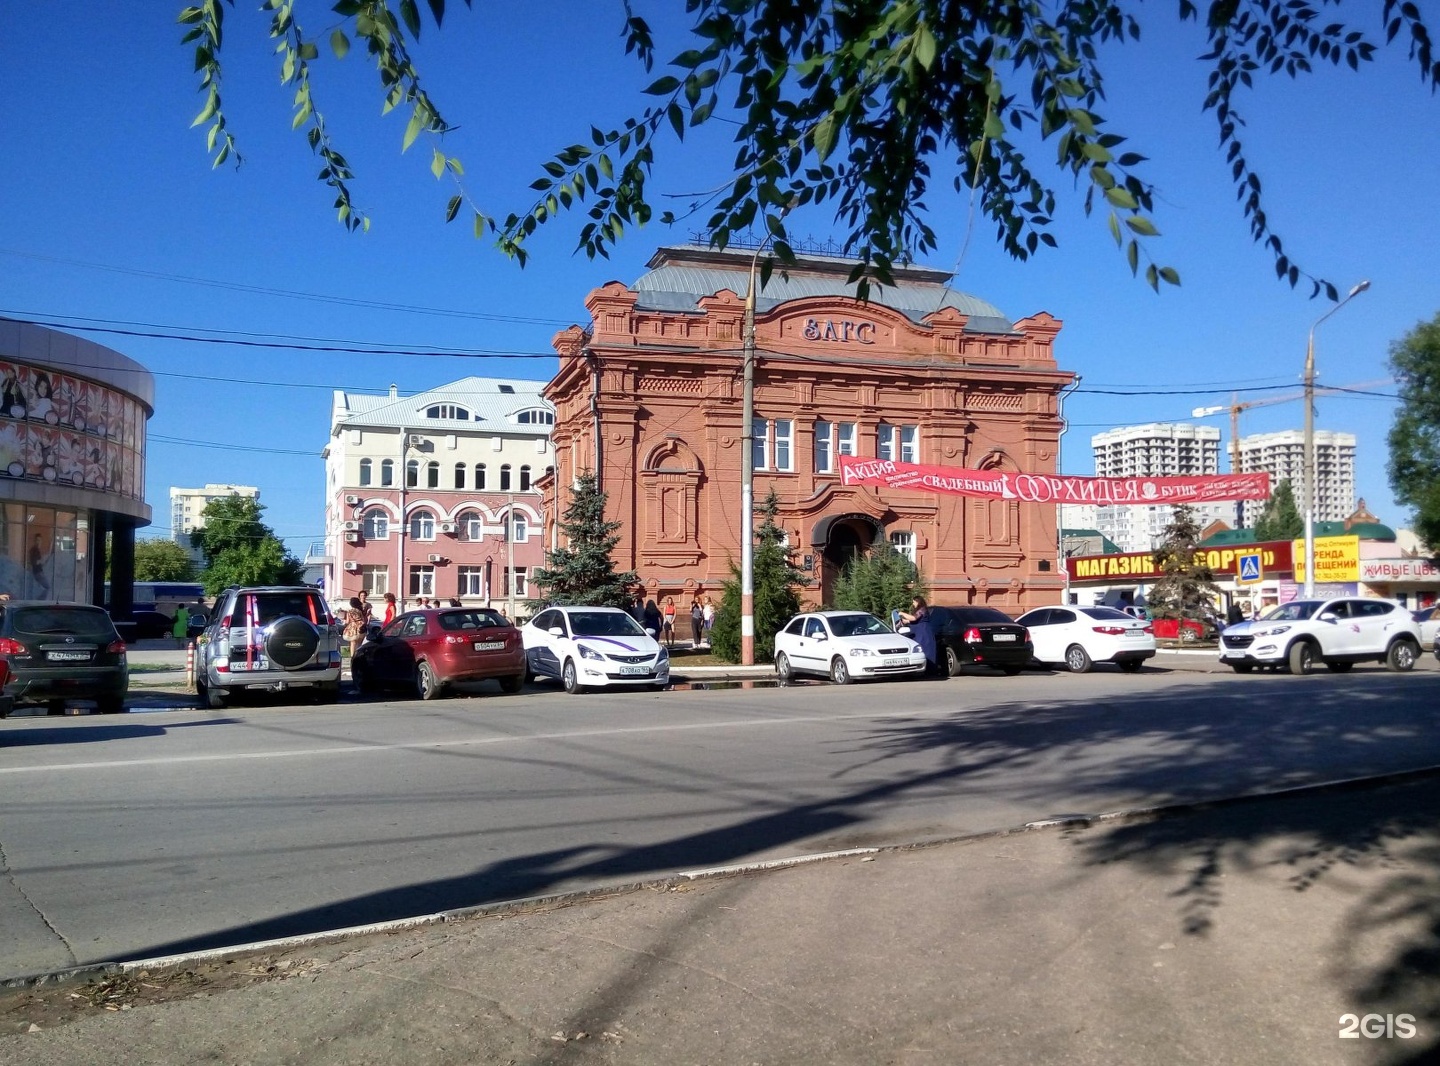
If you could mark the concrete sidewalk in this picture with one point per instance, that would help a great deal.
(1243, 933)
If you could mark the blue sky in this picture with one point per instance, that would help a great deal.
(113, 216)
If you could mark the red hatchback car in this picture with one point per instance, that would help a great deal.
(430, 650)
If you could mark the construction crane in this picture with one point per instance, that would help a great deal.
(1236, 406)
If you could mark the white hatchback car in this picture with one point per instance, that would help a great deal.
(1080, 637)
(844, 646)
(593, 647)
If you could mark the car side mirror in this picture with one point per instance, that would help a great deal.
(373, 632)
(555, 631)
(649, 632)
(904, 631)
(1327, 616)
(822, 636)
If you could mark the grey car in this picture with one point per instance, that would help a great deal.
(271, 638)
(52, 653)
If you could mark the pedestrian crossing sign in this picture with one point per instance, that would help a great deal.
(1248, 571)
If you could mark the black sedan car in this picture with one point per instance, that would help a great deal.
(979, 635)
(51, 653)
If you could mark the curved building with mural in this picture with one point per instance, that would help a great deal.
(72, 464)
(650, 398)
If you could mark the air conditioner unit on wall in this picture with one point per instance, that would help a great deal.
(353, 501)
(352, 567)
(447, 527)
(437, 558)
(416, 441)
(352, 527)
(352, 537)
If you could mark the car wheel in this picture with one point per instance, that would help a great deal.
(1301, 659)
(1242, 668)
(1130, 666)
(1077, 659)
(1338, 668)
(1402, 656)
(514, 683)
(427, 685)
(839, 672)
(1188, 635)
(110, 704)
(1011, 671)
(570, 678)
(782, 668)
(215, 698)
(361, 677)
(953, 665)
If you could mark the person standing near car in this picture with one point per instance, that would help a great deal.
(669, 616)
(389, 608)
(354, 630)
(918, 619)
(366, 607)
(182, 625)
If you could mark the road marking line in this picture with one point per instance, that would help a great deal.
(362, 749)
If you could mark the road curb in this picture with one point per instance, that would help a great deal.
(674, 880)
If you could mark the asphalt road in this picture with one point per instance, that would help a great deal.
(176, 831)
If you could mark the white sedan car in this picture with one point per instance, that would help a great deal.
(1429, 622)
(593, 647)
(1079, 637)
(844, 646)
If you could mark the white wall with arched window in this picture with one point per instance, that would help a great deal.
(505, 485)
(470, 525)
(366, 473)
(387, 473)
(460, 469)
(412, 473)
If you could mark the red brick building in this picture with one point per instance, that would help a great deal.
(650, 398)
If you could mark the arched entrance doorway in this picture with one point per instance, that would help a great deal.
(840, 538)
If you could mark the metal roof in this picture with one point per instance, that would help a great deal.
(492, 403)
(679, 286)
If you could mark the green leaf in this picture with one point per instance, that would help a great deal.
(1141, 225)
(452, 209)
(825, 136)
(417, 123)
(663, 86)
(1120, 198)
(924, 47)
(437, 164)
(339, 44)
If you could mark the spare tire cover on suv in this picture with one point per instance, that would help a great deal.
(291, 642)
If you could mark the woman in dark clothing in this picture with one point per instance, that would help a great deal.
(652, 621)
(918, 619)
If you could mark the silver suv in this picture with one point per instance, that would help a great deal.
(269, 638)
(1339, 633)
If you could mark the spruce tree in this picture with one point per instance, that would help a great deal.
(1186, 588)
(878, 582)
(583, 573)
(1281, 519)
(774, 576)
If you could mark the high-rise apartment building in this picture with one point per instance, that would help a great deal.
(1282, 456)
(187, 507)
(1156, 449)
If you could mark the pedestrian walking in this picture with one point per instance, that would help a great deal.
(707, 610)
(354, 630)
(697, 621)
(389, 608)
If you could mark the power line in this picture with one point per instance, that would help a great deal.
(290, 294)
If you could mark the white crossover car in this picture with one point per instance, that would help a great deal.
(593, 647)
(1339, 633)
(1080, 637)
(844, 646)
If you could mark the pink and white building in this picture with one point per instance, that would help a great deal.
(435, 494)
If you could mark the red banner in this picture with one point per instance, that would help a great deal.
(1052, 488)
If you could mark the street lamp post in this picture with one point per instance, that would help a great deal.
(1309, 445)
(747, 474)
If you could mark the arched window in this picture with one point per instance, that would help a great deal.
(505, 478)
(524, 479)
(387, 473)
(364, 472)
(432, 475)
(422, 526)
(376, 524)
(469, 526)
(517, 528)
(412, 474)
(447, 410)
(480, 476)
(459, 475)
(536, 416)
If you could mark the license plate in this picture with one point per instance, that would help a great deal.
(897, 662)
(630, 671)
(489, 645)
(241, 664)
(1002, 636)
(68, 656)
